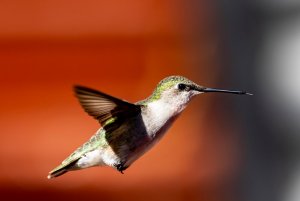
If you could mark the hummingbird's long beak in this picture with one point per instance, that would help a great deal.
(206, 90)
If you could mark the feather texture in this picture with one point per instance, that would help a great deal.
(104, 107)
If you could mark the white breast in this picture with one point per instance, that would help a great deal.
(158, 116)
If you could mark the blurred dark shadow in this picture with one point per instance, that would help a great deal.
(270, 139)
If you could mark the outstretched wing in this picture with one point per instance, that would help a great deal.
(104, 107)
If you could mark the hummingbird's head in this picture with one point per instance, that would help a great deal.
(178, 91)
(175, 90)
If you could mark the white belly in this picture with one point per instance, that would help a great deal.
(98, 157)
(90, 159)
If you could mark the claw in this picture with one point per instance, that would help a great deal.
(120, 167)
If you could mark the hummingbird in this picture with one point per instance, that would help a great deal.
(128, 130)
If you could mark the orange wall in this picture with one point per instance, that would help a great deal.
(123, 48)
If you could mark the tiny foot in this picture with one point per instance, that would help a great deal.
(120, 167)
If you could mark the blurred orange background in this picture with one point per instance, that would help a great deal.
(123, 48)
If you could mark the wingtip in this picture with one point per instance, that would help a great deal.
(83, 90)
(77, 87)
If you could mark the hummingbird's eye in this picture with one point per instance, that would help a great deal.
(181, 87)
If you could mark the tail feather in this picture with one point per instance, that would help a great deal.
(57, 173)
(62, 169)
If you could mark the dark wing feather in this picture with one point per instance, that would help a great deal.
(102, 106)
